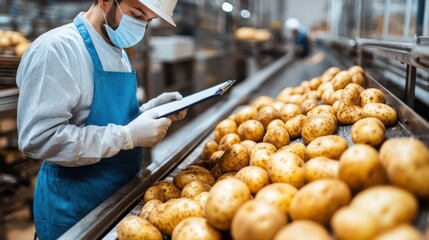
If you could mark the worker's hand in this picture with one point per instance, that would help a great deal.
(178, 116)
(161, 99)
(146, 130)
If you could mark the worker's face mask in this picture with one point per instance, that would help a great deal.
(129, 32)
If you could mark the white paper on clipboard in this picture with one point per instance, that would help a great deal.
(167, 109)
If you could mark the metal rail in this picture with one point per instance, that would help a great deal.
(167, 156)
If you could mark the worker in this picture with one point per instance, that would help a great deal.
(78, 110)
(300, 37)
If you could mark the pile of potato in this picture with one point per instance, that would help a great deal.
(277, 170)
(253, 34)
(15, 40)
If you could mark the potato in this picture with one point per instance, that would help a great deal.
(195, 228)
(251, 130)
(328, 96)
(358, 87)
(337, 94)
(296, 147)
(286, 167)
(214, 158)
(167, 215)
(318, 126)
(308, 105)
(149, 207)
(406, 161)
(336, 107)
(254, 177)
(349, 114)
(201, 199)
(263, 145)
(389, 204)
(381, 111)
(360, 167)
(294, 125)
(262, 101)
(356, 68)
(257, 220)
(311, 95)
(332, 71)
(170, 190)
(134, 227)
(296, 99)
(154, 192)
(247, 113)
(260, 158)
(289, 111)
(319, 200)
(234, 159)
(225, 197)
(320, 167)
(277, 194)
(227, 175)
(369, 131)
(228, 140)
(403, 231)
(267, 114)
(284, 94)
(277, 134)
(216, 172)
(315, 83)
(209, 148)
(321, 89)
(341, 80)
(194, 188)
(187, 176)
(330, 146)
(278, 105)
(357, 78)
(321, 109)
(196, 167)
(249, 144)
(303, 229)
(372, 95)
(350, 96)
(352, 224)
(224, 127)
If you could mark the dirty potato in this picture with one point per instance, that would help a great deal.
(381, 111)
(247, 113)
(372, 95)
(195, 228)
(286, 167)
(134, 227)
(228, 140)
(320, 167)
(303, 229)
(170, 190)
(360, 167)
(254, 177)
(262, 101)
(194, 188)
(369, 131)
(350, 96)
(308, 105)
(341, 80)
(352, 224)
(148, 208)
(187, 176)
(358, 78)
(315, 83)
(152, 193)
(277, 134)
(209, 148)
(267, 114)
(216, 172)
(330, 146)
(318, 126)
(289, 111)
(249, 144)
(251, 130)
(224, 127)
(294, 126)
(321, 109)
(296, 147)
(278, 105)
(234, 159)
(277, 194)
(356, 68)
(349, 114)
(260, 158)
(227, 175)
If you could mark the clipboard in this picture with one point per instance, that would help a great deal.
(167, 109)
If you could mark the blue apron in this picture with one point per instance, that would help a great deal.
(64, 195)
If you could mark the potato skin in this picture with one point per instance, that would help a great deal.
(246, 224)
(318, 126)
(372, 95)
(277, 194)
(341, 80)
(389, 204)
(228, 140)
(330, 146)
(289, 111)
(247, 113)
(369, 131)
(360, 167)
(277, 134)
(406, 161)
(224, 127)
(187, 176)
(254, 177)
(294, 126)
(296, 147)
(321, 109)
(135, 228)
(261, 157)
(267, 114)
(320, 167)
(227, 175)
(167, 215)
(201, 199)
(403, 231)
(234, 159)
(194, 188)
(349, 114)
(225, 197)
(286, 167)
(303, 229)
(319, 200)
(209, 148)
(195, 228)
(262, 101)
(149, 207)
(308, 105)
(170, 190)
(154, 192)
(352, 224)
(381, 111)
(251, 130)
(358, 78)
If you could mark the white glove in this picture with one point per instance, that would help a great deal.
(146, 130)
(161, 99)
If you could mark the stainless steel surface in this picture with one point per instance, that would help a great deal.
(167, 155)
(8, 100)
(410, 86)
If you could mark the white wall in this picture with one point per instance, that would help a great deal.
(308, 12)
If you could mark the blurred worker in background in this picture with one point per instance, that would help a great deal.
(299, 35)
(78, 110)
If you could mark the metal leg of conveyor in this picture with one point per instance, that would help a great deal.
(410, 87)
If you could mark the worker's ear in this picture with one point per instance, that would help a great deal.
(105, 4)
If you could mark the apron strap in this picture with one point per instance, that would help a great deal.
(89, 44)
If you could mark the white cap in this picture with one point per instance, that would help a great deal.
(292, 23)
(163, 8)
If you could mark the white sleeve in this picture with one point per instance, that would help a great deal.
(48, 93)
